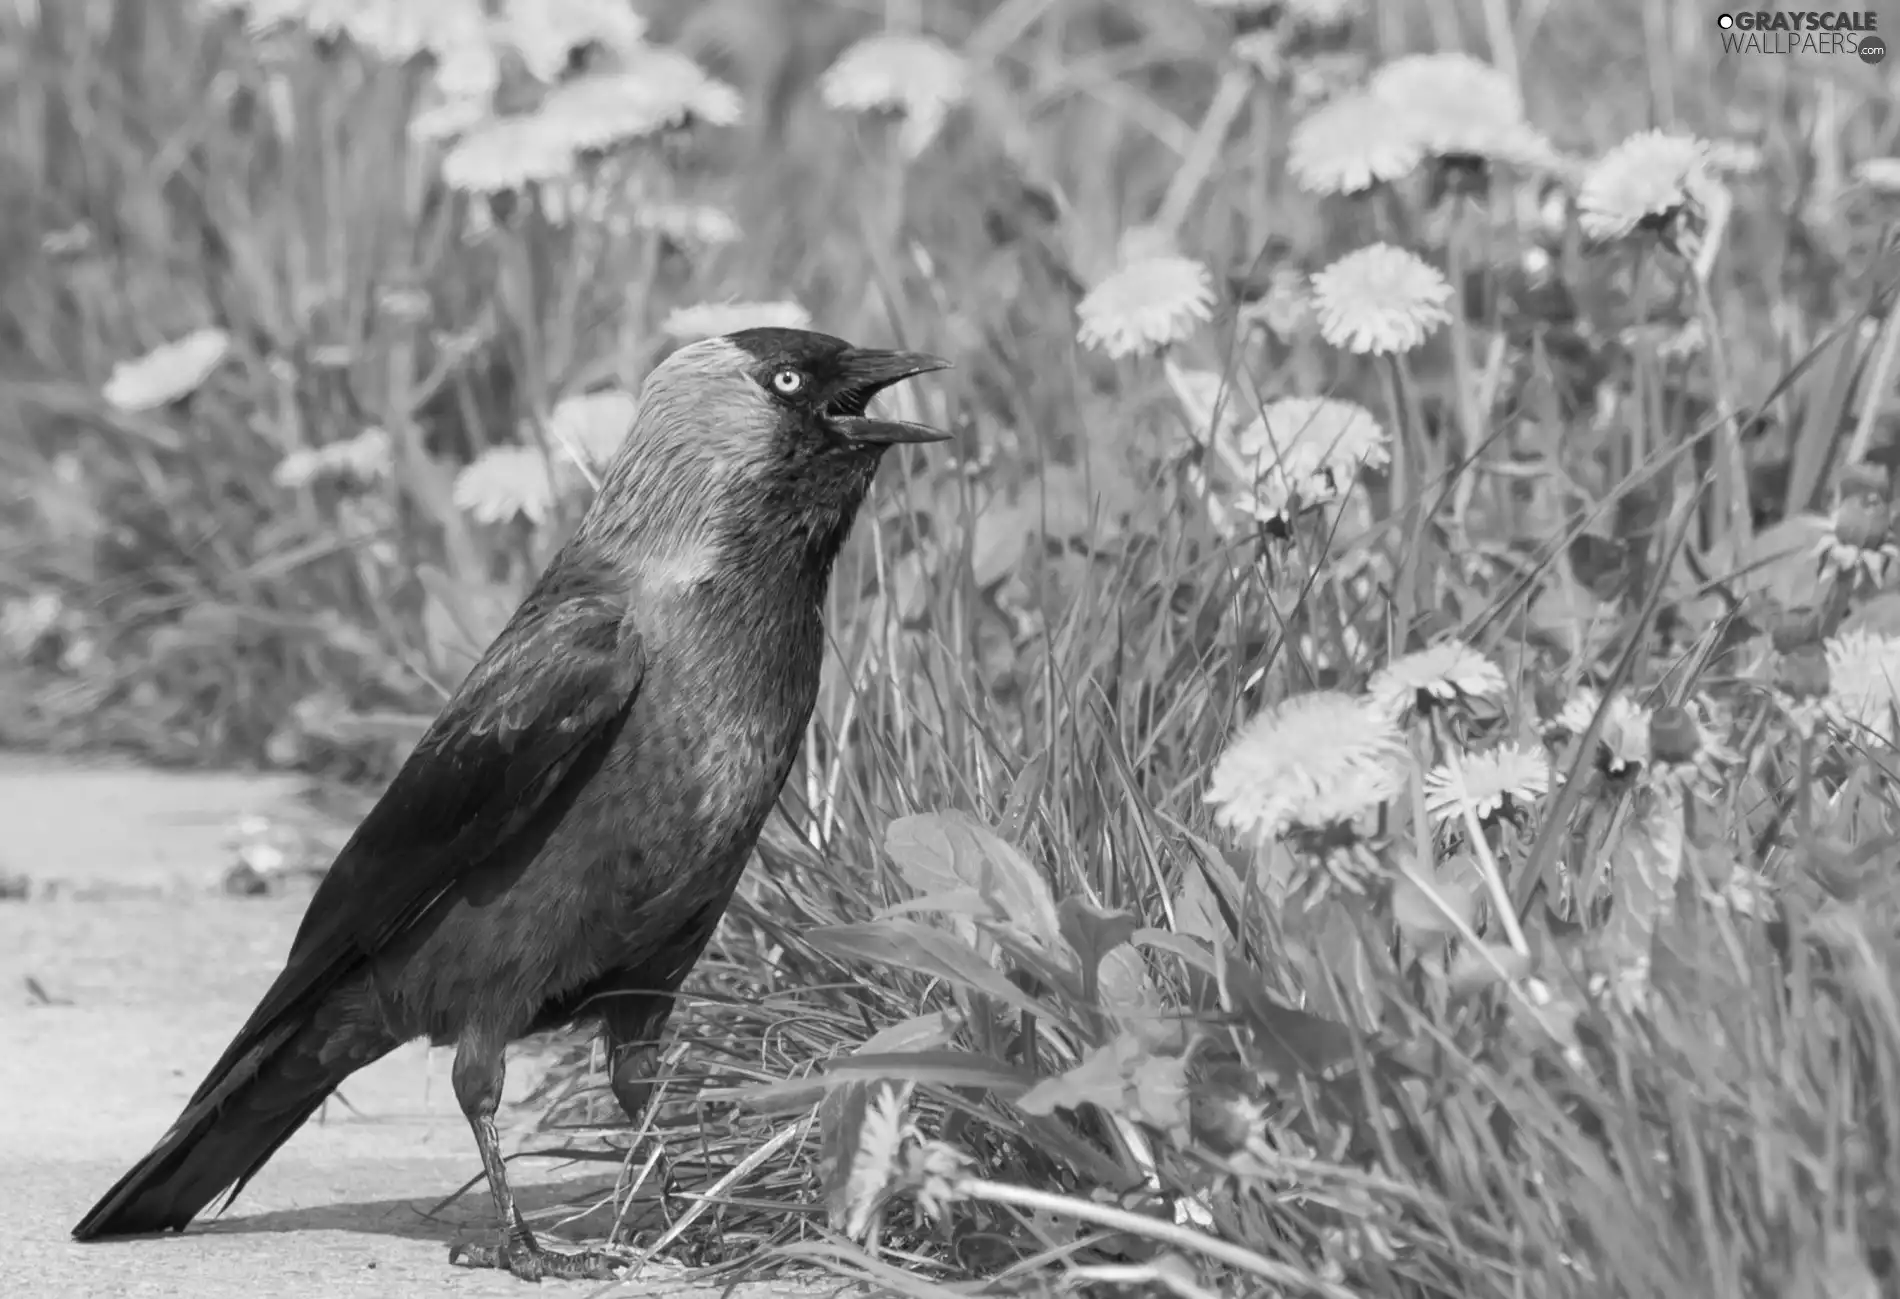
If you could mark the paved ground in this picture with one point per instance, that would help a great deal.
(123, 985)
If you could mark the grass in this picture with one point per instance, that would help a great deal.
(1181, 1075)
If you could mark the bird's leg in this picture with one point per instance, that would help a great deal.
(633, 1022)
(477, 1077)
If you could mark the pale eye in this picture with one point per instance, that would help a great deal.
(788, 383)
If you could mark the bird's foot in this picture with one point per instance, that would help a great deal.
(530, 1261)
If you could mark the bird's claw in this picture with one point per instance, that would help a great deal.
(532, 1262)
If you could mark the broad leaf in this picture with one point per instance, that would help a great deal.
(1645, 861)
(1288, 1042)
(1126, 1077)
(917, 949)
(1093, 932)
(940, 852)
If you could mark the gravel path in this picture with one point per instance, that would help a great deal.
(123, 985)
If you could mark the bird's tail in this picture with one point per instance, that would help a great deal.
(249, 1106)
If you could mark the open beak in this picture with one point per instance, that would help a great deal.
(864, 372)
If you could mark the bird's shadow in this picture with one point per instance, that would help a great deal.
(573, 1208)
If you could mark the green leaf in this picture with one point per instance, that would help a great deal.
(943, 852)
(1288, 1042)
(1126, 1077)
(841, 1117)
(917, 949)
(1093, 932)
(1473, 969)
(1645, 861)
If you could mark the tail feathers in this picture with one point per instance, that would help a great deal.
(223, 1138)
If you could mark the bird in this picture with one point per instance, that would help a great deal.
(563, 839)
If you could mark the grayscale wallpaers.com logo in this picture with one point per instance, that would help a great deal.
(1811, 31)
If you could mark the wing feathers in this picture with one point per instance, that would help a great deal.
(530, 724)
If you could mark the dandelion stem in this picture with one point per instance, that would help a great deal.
(1137, 1224)
(1872, 396)
(1204, 151)
(1500, 896)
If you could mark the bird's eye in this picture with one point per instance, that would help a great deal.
(788, 383)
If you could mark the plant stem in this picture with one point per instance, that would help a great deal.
(1204, 151)
(1022, 1197)
(1500, 896)
(1875, 392)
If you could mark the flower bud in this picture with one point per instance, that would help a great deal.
(1862, 521)
(1674, 735)
(1863, 478)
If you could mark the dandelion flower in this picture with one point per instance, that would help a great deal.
(1380, 299)
(688, 223)
(713, 319)
(1882, 175)
(505, 483)
(1304, 451)
(1486, 782)
(1859, 540)
(1440, 674)
(504, 154)
(1350, 144)
(1146, 305)
(1643, 182)
(169, 372)
(915, 75)
(660, 90)
(1863, 684)
(1458, 107)
(593, 425)
(367, 457)
(547, 32)
(1623, 739)
(1312, 761)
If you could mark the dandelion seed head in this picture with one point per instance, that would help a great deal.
(505, 483)
(168, 373)
(1644, 180)
(1485, 782)
(714, 319)
(920, 77)
(1380, 300)
(1439, 674)
(1350, 144)
(1145, 305)
(1312, 761)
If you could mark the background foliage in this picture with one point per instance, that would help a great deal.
(1005, 1001)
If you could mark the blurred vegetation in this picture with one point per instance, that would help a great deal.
(1107, 1042)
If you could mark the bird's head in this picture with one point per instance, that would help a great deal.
(765, 432)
